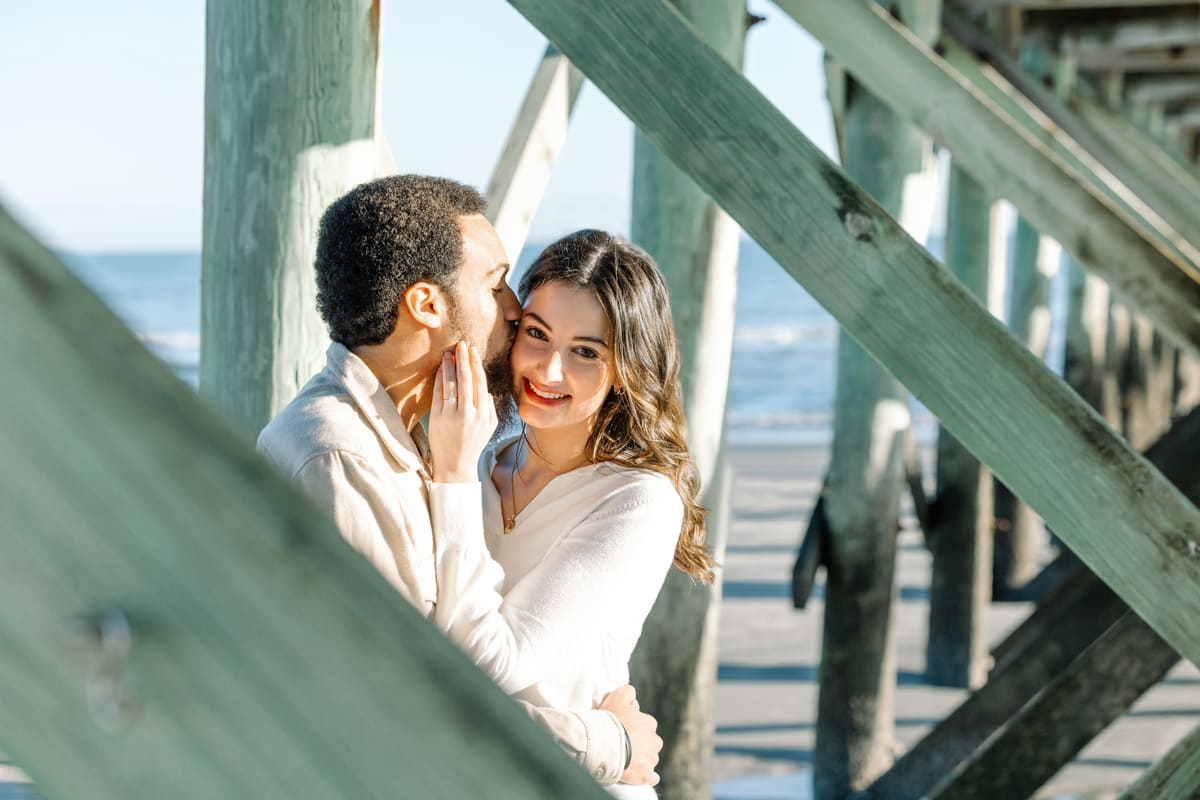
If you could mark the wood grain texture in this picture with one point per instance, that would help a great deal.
(1015, 163)
(290, 125)
(521, 175)
(1062, 627)
(1080, 702)
(695, 244)
(960, 586)
(1124, 519)
(269, 659)
(1175, 776)
(1123, 167)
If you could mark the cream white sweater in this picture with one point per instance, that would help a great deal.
(555, 612)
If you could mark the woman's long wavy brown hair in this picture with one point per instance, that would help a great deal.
(642, 424)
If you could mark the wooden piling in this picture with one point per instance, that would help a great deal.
(695, 243)
(893, 161)
(961, 540)
(1019, 532)
(1087, 365)
(290, 124)
(1063, 627)
(521, 175)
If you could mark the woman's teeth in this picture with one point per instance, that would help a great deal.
(547, 395)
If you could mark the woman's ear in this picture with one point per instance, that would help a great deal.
(426, 304)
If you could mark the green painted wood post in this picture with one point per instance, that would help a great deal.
(1087, 365)
(1160, 192)
(290, 124)
(1081, 701)
(960, 586)
(1175, 776)
(521, 175)
(1185, 392)
(263, 656)
(894, 162)
(1021, 161)
(1035, 260)
(695, 243)
(1040, 648)
(1146, 379)
(1123, 519)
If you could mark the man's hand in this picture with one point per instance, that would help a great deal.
(462, 417)
(641, 729)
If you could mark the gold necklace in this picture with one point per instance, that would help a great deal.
(511, 521)
(514, 472)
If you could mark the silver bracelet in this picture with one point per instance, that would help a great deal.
(628, 746)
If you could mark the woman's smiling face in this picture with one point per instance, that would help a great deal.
(562, 359)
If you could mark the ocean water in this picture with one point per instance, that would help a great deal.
(781, 386)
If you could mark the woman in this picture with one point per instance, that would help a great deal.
(588, 506)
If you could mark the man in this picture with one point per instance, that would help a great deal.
(409, 269)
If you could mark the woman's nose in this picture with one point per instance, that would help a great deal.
(552, 367)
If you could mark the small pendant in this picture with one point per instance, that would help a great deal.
(509, 524)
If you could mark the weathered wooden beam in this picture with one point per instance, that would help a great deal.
(1172, 59)
(1175, 776)
(1085, 609)
(1186, 118)
(1013, 162)
(695, 244)
(263, 656)
(1058, 632)
(1164, 89)
(960, 587)
(1120, 516)
(1081, 701)
(520, 178)
(1061, 602)
(1179, 29)
(290, 124)
(812, 555)
(979, 5)
(1153, 196)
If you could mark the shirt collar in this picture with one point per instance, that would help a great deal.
(378, 408)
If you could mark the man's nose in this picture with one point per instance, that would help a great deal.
(510, 305)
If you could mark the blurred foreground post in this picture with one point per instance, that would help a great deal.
(696, 244)
(290, 124)
(180, 621)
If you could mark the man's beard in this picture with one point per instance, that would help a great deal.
(498, 371)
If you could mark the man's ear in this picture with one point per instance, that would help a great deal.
(426, 303)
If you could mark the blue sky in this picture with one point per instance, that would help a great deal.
(102, 146)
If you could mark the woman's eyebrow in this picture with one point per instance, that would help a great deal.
(546, 325)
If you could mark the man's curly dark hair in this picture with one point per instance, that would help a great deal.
(379, 239)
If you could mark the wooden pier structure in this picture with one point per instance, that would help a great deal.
(180, 622)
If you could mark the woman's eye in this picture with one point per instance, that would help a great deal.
(535, 333)
(587, 352)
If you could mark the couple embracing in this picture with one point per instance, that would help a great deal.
(539, 550)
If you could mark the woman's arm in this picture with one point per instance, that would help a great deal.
(602, 575)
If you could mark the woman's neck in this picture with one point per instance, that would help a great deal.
(548, 453)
